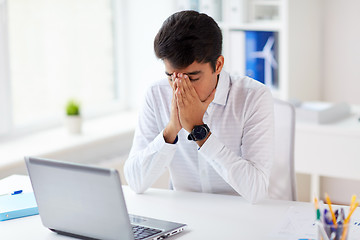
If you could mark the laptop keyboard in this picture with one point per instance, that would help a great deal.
(141, 232)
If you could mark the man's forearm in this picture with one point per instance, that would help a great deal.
(147, 162)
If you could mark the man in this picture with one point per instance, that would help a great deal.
(214, 133)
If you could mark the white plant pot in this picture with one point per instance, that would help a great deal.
(74, 124)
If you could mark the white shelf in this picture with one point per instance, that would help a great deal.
(267, 3)
(256, 26)
(100, 137)
(298, 40)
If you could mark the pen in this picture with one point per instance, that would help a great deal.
(12, 193)
(328, 222)
(317, 208)
(318, 223)
(321, 230)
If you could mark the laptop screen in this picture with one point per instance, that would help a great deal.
(79, 199)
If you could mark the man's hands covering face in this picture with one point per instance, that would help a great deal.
(174, 126)
(190, 108)
(187, 110)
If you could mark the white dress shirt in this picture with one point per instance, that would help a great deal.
(235, 159)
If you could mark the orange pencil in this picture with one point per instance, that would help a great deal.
(347, 219)
(330, 208)
(353, 206)
(353, 200)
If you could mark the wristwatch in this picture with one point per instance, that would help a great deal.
(199, 132)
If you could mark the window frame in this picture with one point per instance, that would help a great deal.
(5, 91)
(7, 128)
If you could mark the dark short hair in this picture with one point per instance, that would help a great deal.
(189, 36)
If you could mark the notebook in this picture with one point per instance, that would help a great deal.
(18, 205)
(87, 202)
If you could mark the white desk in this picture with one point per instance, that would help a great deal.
(330, 150)
(208, 216)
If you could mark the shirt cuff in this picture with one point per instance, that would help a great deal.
(211, 147)
(159, 144)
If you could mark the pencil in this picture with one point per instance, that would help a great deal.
(353, 200)
(330, 208)
(352, 209)
(351, 212)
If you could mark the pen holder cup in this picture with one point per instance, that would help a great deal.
(341, 232)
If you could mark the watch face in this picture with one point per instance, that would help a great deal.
(200, 132)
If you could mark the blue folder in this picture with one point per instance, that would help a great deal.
(255, 42)
(16, 206)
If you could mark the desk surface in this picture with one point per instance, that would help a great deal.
(208, 216)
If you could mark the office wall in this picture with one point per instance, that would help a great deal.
(341, 51)
(341, 74)
(144, 19)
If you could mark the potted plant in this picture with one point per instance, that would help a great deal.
(73, 119)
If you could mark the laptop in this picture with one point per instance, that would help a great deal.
(87, 202)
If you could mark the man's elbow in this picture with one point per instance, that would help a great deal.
(137, 190)
(258, 192)
(132, 183)
(258, 196)
(135, 186)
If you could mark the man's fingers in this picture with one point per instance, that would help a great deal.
(189, 88)
(180, 83)
(173, 84)
(179, 97)
(186, 83)
(183, 94)
(173, 100)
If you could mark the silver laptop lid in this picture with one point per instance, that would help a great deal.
(89, 200)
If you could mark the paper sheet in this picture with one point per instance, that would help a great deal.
(298, 223)
(14, 183)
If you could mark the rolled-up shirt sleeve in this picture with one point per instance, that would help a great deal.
(150, 155)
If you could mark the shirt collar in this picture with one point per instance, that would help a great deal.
(222, 88)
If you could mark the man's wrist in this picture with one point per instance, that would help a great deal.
(201, 142)
(191, 127)
(170, 135)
